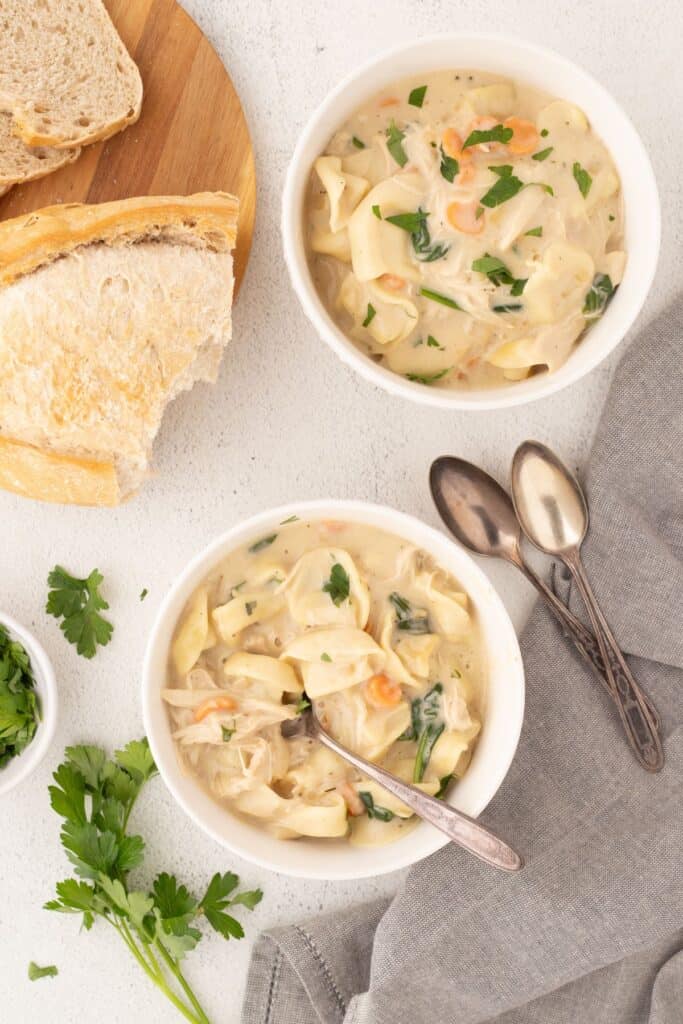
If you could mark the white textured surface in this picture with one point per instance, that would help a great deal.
(285, 421)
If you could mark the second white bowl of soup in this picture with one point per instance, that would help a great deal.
(471, 221)
(391, 631)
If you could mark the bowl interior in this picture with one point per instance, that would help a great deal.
(337, 859)
(46, 688)
(560, 78)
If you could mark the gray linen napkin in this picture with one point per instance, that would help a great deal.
(591, 930)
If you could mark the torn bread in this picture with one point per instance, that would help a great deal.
(107, 313)
(19, 162)
(65, 75)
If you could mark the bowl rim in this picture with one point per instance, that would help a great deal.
(46, 689)
(401, 854)
(612, 331)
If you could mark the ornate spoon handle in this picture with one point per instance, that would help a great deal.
(587, 645)
(633, 711)
(459, 828)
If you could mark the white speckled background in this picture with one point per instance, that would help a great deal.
(285, 421)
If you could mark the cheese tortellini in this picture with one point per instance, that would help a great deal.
(355, 621)
(465, 230)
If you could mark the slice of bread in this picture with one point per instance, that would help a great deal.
(65, 75)
(19, 162)
(106, 314)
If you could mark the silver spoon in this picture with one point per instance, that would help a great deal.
(460, 829)
(552, 511)
(480, 513)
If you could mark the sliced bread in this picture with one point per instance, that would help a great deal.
(106, 313)
(19, 162)
(65, 75)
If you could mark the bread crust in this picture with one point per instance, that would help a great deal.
(32, 240)
(63, 479)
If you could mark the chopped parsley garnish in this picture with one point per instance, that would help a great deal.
(507, 186)
(407, 619)
(35, 972)
(395, 139)
(370, 315)
(249, 607)
(292, 519)
(544, 133)
(582, 179)
(498, 273)
(374, 810)
(416, 225)
(535, 232)
(543, 154)
(611, 217)
(425, 728)
(499, 133)
(78, 603)
(421, 378)
(227, 733)
(433, 343)
(338, 585)
(438, 297)
(143, 593)
(376, 211)
(325, 656)
(417, 96)
(599, 294)
(510, 308)
(263, 543)
(19, 711)
(358, 143)
(444, 783)
(449, 166)
(303, 704)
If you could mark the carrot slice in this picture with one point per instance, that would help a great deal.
(393, 282)
(382, 692)
(451, 143)
(524, 136)
(463, 217)
(222, 703)
(389, 101)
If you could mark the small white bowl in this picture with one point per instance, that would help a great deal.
(21, 767)
(557, 76)
(336, 859)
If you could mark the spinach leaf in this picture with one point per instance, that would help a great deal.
(409, 620)
(425, 728)
(599, 294)
(449, 166)
(374, 810)
(416, 224)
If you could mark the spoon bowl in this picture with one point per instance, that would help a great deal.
(548, 500)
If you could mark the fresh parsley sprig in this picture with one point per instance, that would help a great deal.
(78, 602)
(338, 585)
(95, 795)
(416, 225)
(19, 710)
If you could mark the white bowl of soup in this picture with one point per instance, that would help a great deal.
(471, 221)
(388, 629)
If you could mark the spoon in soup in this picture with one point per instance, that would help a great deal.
(553, 513)
(460, 828)
(480, 514)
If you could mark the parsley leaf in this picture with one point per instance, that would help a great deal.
(422, 378)
(505, 188)
(543, 154)
(433, 343)
(338, 585)
(370, 315)
(582, 179)
(290, 519)
(416, 224)
(511, 307)
(158, 926)
(535, 232)
(417, 96)
(444, 783)
(261, 544)
(499, 133)
(303, 704)
(374, 810)
(449, 166)
(227, 733)
(438, 297)
(358, 143)
(78, 603)
(143, 593)
(407, 620)
(599, 294)
(498, 273)
(35, 972)
(325, 657)
(395, 139)
(377, 212)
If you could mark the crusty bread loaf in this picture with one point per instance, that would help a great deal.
(106, 314)
(65, 75)
(19, 162)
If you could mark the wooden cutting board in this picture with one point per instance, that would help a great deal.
(192, 135)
